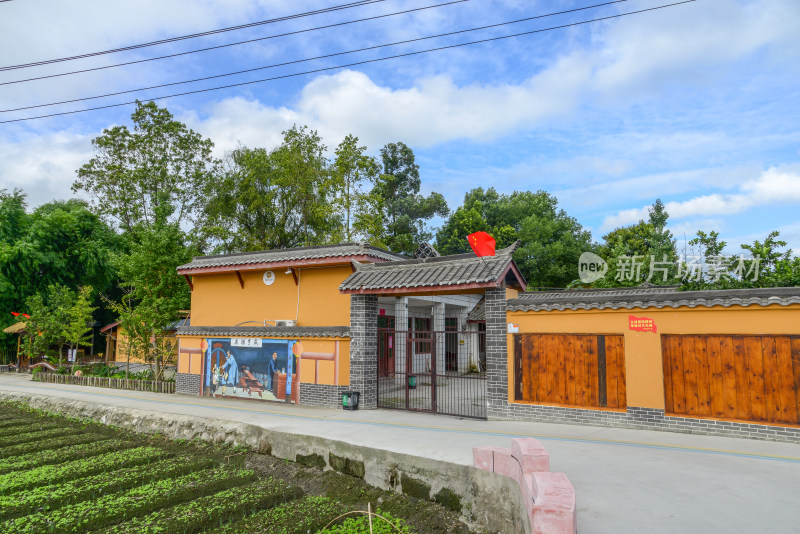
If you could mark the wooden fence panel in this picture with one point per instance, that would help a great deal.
(565, 369)
(116, 383)
(753, 378)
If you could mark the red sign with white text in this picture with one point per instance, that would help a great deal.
(641, 324)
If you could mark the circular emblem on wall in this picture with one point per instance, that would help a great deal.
(269, 277)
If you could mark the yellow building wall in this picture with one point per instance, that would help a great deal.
(192, 363)
(121, 352)
(219, 300)
(643, 366)
(122, 348)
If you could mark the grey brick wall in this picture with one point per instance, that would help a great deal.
(647, 419)
(496, 352)
(364, 349)
(186, 384)
(322, 395)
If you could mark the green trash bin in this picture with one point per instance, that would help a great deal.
(350, 400)
(412, 382)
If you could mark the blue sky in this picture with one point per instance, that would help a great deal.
(696, 104)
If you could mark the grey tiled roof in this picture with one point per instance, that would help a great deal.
(343, 250)
(459, 269)
(653, 297)
(478, 313)
(261, 331)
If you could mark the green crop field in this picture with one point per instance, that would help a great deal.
(59, 475)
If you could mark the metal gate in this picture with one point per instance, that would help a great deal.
(431, 371)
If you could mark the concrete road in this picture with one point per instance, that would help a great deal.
(626, 480)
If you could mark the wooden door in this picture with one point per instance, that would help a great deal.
(586, 370)
(752, 378)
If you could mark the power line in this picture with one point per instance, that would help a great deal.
(325, 56)
(194, 35)
(327, 26)
(364, 62)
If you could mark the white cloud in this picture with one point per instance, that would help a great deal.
(773, 186)
(43, 166)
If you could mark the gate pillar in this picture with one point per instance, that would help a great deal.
(364, 349)
(496, 353)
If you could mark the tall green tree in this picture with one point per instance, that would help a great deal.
(159, 161)
(154, 294)
(61, 317)
(552, 241)
(403, 208)
(76, 330)
(304, 168)
(351, 171)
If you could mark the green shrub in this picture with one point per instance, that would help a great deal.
(53, 496)
(222, 507)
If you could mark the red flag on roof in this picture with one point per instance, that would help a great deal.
(482, 243)
(15, 314)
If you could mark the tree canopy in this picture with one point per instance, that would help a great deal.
(160, 161)
(552, 241)
(401, 206)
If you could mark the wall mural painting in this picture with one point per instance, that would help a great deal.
(252, 368)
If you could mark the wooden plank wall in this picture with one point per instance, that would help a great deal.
(570, 369)
(753, 378)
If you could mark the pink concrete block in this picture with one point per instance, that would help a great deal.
(531, 455)
(552, 509)
(505, 464)
(483, 457)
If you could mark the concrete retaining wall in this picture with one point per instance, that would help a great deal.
(486, 500)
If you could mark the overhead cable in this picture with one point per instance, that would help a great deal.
(193, 35)
(364, 62)
(305, 60)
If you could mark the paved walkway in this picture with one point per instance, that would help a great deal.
(626, 480)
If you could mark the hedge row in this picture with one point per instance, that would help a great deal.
(222, 507)
(50, 444)
(57, 495)
(102, 512)
(309, 514)
(96, 458)
(14, 437)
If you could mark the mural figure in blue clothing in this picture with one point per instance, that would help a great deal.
(272, 368)
(230, 373)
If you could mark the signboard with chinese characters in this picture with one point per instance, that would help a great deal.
(246, 342)
(641, 324)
